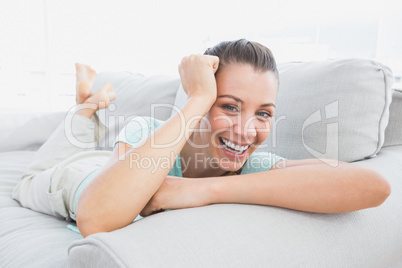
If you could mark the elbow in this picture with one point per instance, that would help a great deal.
(372, 191)
(87, 223)
(381, 190)
(86, 226)
(91, 220)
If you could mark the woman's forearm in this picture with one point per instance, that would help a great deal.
(123, 188)
(312, 188)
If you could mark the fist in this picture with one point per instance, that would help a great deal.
(197, 73)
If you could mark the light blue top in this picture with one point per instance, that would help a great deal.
(136, 132)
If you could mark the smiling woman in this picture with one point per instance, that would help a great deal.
(239, 118)
(247, 80)
(231, 93)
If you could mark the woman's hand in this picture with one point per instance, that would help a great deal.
(197, 76)
(176, 193)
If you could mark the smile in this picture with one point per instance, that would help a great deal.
(232, 147)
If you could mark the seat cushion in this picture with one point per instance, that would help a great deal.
(28, 238)
(12, 166)
(32, 239)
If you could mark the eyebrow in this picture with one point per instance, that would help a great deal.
(239, 100)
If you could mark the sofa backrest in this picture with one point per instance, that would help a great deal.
(334, 109)
(136, 95)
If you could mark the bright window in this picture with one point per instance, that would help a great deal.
(42, 39)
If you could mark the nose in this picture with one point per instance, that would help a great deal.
(246, 129)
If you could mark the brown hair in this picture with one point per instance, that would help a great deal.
(244, 51)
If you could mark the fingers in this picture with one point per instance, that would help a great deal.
(214, 61)
(197, 76)
(211, 60)
(198, 60)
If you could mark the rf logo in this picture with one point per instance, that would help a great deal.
(332, 137)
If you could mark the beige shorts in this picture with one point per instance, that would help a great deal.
(59, 167)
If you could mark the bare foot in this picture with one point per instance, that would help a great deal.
(103, 96)
(99, 100)
(85, 76)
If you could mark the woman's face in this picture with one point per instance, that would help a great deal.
(241, 118)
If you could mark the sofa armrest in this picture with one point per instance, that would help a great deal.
(27, 130)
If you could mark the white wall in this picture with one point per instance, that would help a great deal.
(40, 40)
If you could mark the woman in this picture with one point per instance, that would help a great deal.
(231, 92)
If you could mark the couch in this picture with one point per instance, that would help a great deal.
(342, 109)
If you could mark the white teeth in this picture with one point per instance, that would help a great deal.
(233, 146)
(231, 150)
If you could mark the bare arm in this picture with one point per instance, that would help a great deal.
(310, 187)
(122, 189)
(306, 185)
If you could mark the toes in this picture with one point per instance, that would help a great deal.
(85, 72)
(80, 72)
(79, 67)
(91, 72)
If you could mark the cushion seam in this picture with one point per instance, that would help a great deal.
(93, 241)
(383, 111)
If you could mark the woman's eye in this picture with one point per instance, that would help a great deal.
(264, 114)
(230, 108)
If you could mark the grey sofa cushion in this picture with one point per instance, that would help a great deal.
(393, 132)
(135, 95)
(335, 109)
(32, 239)
(240, 235)
(28, 238)
(12, 166)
